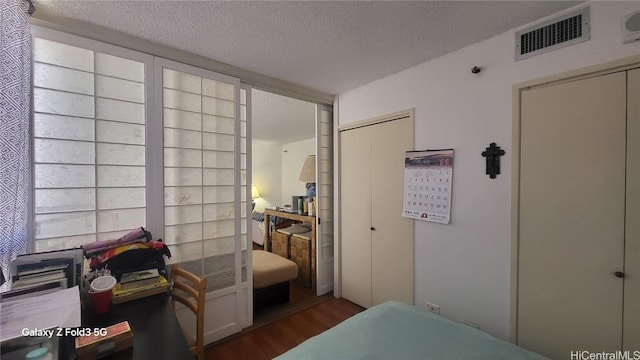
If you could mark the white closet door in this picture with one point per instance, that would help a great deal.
(355, 214)
(631, 331)
(392, 239)
(572, 216)
(376, 241)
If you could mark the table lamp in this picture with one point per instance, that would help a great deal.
(254, 195)
(308, 175)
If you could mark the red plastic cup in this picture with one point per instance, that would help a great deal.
(100, 293)
(101, 301)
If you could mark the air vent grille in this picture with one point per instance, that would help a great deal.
(554, 34)
(550, 35)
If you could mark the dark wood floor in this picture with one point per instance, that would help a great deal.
(280, 328)
(276, 337)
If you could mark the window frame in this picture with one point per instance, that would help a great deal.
(101, 47)
(159, 65)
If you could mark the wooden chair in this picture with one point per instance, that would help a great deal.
(191, 291)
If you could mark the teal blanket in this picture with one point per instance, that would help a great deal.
(394, 330)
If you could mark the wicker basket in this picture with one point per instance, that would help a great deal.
(280, 244)
(301, 255)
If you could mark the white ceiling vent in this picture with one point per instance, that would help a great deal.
(567, 29)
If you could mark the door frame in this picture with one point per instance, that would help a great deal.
(517, 89)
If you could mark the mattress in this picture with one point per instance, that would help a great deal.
(394, 330)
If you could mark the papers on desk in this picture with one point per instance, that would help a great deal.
(49, 311)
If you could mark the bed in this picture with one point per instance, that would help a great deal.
(394, 330)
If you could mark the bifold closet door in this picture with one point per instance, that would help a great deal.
(355, 210)
(392, 239)
(572, 216)
(377, 242)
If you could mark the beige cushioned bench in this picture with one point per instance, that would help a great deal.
(270, 269)
(271, 278)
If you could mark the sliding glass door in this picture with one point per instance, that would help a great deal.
(204, 174)
(123, 139)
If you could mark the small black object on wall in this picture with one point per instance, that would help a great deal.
(492, 155)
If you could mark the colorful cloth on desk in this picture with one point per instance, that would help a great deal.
(137, 235)
(109, 254)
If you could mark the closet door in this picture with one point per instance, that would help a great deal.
(355, 210)
(572, 216)
(631, 330)
(392, 239)
(377, 242)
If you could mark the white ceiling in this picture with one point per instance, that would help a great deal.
(280, 119)
(328, 46)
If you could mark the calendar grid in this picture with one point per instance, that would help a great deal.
(427, 185)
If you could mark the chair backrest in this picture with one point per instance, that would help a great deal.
(190, 290)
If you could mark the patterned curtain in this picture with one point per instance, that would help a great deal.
(15, 94)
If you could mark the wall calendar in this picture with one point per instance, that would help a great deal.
(428, 177)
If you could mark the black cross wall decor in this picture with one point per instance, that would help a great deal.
(492, 155)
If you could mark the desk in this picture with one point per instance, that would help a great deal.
(291, 216)
(156, 330)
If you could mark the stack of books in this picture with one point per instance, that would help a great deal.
(137, 279)
(138, 284)
(47, 274)
(42, 273)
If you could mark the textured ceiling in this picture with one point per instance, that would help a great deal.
(327, 46)
(280, 119)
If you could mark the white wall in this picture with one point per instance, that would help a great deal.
(275, 171)
(293, 156)
(267, 173)
(465, 267)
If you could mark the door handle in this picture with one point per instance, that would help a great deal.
(372, 228)
(619, 274)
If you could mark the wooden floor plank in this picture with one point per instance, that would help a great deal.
(277, 337)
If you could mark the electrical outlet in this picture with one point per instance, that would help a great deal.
(433, 308)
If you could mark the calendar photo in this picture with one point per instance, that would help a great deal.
(428, 177)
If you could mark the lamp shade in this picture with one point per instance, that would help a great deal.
(308, 173)
(254, 192)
